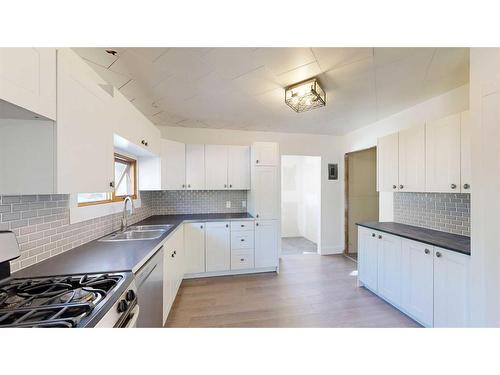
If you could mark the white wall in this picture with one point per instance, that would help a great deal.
(301, 197)
(329, 148)
(453, 101)
(485, 202)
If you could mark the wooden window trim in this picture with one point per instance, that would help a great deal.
(111, 196)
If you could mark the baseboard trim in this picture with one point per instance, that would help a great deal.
(230, 272)
(330, 250)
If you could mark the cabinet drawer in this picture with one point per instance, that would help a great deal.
(242, 259)
(242, 225)
(242, 240)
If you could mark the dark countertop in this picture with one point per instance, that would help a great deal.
(449, 241)
(95, 256)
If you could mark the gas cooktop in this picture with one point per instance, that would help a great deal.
(62, 301)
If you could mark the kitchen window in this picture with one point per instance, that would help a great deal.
(125, 184)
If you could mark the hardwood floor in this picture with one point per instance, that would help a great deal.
(310, 291)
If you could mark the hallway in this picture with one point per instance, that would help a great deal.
(310, 291)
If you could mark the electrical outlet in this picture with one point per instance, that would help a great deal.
(243, 204)
(228, 204)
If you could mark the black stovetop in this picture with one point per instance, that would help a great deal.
(61, 301)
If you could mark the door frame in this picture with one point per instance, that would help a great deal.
(346, 195)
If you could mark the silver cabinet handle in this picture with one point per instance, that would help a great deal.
(466, 186)
(189, 186)
(201, 226)
(394, 186)
(183, 186)
(242, 259)
(453, 186)
(373, 234)
(256, 224)
(227, 225)
(242, 226)
(427, 251)
(230, 185)
(379, 237)
(242, 240)
(257, 161)
(401, 186)
(225, 185)
(438, 254)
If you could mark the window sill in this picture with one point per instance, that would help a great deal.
(78, 213)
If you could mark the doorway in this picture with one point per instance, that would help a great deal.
(300, 204)
(361, 196)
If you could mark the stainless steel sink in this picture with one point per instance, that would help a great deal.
(133, 235)
(150, 227)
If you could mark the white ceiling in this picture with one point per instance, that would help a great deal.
(243, 88)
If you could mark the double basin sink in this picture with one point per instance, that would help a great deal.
(137, 232)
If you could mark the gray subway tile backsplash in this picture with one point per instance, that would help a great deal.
(447, 212)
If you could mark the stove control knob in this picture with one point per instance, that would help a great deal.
(130, 296)
(122, 306)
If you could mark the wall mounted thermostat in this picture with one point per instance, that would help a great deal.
(333, 172)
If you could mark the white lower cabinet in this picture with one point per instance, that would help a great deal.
(194, 241)
(451, 292)
(266, 243)
(173, 268)
(428, 283)
(218, 246)
(417, 281)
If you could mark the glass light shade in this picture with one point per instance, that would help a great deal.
(304, 96)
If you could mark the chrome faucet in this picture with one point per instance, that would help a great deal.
(124, 216)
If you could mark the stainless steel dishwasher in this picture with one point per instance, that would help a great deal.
(149, 281)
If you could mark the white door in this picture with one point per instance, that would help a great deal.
(173, 165)
(417, 281)
(412, 159)
(387, 163)
(442, 155)
(218, 246)
(368, 258)
(195, 167)
(194, 243)
(265, 154)
(451, 282)
(465, 152)
(389, 267)
(84, 128)
(238, 168)
(265, 192)
(216, 163)
(266, 243)
(28, 79)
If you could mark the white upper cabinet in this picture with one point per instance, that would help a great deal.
(238, 167)
(265, 154)
(195, 167)
(84, 130)
(417, 281)
(264, 198)
(173, 165)
(28, 79)
(218, 246)
(266, 243)
(216, 167)
(387, 163)
(465, 152)
(451, 285)
(412, 159)
(442, 155)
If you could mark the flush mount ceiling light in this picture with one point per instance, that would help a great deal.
(305, 95)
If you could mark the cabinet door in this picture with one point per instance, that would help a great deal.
(218, 246)
(195, 167)
(389, 267)
(167, 280)
(387, 163)
(442, 155)
(265, 193)
(28, 79)
(84, 128)
(412, 159)
(465, 152)
(179, 251)
(238, 168)
(417, 281)
(173, 165)
(266, 243)
(368, 257)
(194, 236)
(265, 153)
(451, 281)
(216, 161)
